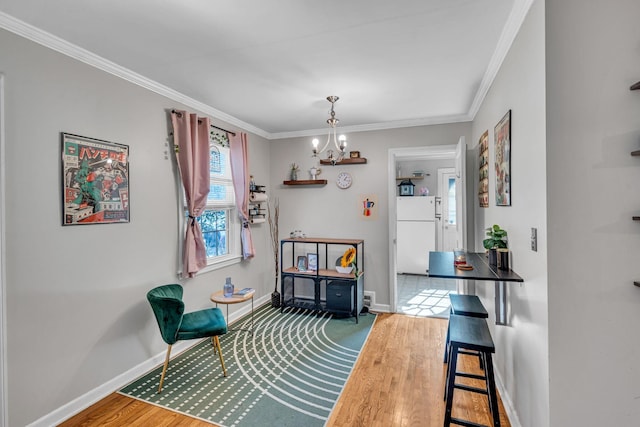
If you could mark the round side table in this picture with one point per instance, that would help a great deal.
(219, 298)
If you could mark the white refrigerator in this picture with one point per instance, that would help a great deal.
(416, 233)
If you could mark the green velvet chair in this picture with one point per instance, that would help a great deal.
(176, 325)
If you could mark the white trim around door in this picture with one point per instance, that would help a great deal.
(4, 407)
(395, 154)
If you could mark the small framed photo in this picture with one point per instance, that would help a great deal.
(302, 263)
(312, 262)
(354, 154)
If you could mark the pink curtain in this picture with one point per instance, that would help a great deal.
(240, 174)
(191, 135)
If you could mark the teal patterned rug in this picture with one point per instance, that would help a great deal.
(289, 373)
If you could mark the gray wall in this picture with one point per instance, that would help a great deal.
(331, 212)
(593, 123)
(522, 347)
(77, 315)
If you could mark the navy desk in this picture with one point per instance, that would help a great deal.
(441, 265)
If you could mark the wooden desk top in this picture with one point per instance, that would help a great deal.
(219, 297)
(323, 240)
(441, 265)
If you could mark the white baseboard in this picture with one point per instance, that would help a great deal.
(506, 400)
(83, 402)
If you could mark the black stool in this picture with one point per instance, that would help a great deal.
(470, 333)
(465, 305)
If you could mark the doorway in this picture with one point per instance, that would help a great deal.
(418, 294)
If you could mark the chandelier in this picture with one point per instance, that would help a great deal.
(340, 142)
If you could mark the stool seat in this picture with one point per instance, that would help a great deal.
(467, 305)
(470, 334)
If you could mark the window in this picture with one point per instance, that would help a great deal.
(219, 221)
(451, 198)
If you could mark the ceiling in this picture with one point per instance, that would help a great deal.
(268, 66)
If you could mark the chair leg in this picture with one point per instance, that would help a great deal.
(216, 340)
(164, 370)
(213, 343)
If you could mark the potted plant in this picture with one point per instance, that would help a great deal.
(294, 168)
(496, 239)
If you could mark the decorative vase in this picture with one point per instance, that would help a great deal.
(503, 259)
(275, 299)
(294, 175)
(228, 288)
(275, 295)
(493, 257)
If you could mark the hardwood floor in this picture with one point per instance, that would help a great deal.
(398, 381)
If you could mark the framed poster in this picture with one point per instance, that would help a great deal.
(483, 183)
(95, 181)
(502, 133)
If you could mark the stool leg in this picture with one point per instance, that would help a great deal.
(493, 398)
(451, 379)
(446, 347)
(446, 341)
(448, 372)
(483, 361)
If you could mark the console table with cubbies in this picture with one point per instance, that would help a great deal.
(333, 292)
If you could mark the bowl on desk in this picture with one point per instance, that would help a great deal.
(344, 270)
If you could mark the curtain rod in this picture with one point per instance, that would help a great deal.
(200, 121)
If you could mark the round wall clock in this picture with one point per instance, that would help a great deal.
(344, 180)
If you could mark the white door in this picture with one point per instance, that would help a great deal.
(448, 210)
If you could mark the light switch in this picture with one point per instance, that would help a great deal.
(534, 239)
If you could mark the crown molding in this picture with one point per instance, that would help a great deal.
(509, 33)
(50, 41)
(377, 126)
(511, 29)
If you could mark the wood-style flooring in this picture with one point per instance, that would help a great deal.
(397, 381)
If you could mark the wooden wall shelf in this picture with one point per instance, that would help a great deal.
(354, 161)
(635, 153)
(637, 284)
(417, 178)
(306, 182)
(635, 86)
(636, 218)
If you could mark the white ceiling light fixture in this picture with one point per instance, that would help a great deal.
(340, 142)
